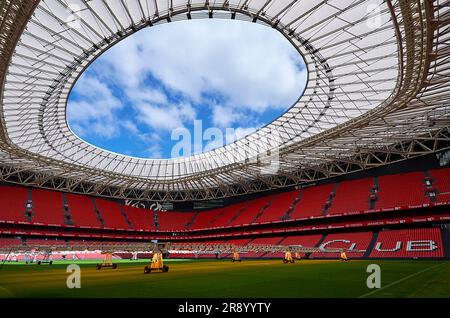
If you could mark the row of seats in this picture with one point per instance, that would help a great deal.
(401, 190)
(401, 217)
(404, 243)
(425, 242)
(385, 192)
(6, 242)
(441, 181)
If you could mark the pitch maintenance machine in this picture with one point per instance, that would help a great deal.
(288, 257)
(343, 257)
(236, 257)
(47, 258)
(107, 261)
(157, 264)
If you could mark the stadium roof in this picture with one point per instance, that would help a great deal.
(377, 92)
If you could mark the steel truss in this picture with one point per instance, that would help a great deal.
(375, 95)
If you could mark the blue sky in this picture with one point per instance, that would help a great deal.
(156, 88)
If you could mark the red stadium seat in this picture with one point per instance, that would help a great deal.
(352, 196)
(411, 193)
(111, 214)
(297, 240)
(250, 212)
(420, 243)
(12, 203)
(312, 201)
(279, 206)
(82, 210)
(262, 241)
(206, 218)
(7, 242)
(442, 184)
(48, 207)
(174, 221)
(228, 215)
(355, 243)
(141, 219)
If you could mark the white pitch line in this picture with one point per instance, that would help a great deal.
(400, 280)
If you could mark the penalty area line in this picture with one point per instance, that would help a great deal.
(400, 280)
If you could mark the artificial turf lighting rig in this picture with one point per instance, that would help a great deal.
(288, 257)
(47, 258)
(107, 261)
(236, 257)
(157, 264)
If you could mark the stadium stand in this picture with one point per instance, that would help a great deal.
(279, 206)
(411, 193)
(45, 242)
(312, 201)
(347, 197)
(172, 221)
(82, 211)
(48, 207)
(262, 241)
(228, 215)
(141, 219)
(205, 219)
(271, 219)
(249, 213)
(304, 240)
(355, 243)
(10, 242)
(111, 214)
(12, 204)
(352, 196)
(409, 243)
(441, 182)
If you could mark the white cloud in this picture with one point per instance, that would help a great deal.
(94, 110)
(223, 116)
(167, 117)
(250, 65)
(130, 126)
(228, 72)
(155, 151)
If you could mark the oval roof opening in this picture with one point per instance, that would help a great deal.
(185, 87)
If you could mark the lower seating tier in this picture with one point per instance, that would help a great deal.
(424, 242)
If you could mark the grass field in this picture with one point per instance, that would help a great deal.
(211, 278)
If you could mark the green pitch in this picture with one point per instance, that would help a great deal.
(211, 278)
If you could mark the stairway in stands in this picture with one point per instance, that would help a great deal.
(373, 198)
(261, 212)
(429, 183)
(288, 213)
(192, 221)
(29, 207)
(445, 234)
(156, 219)
(235, 217)
(372, 243)
(330, 199)
(277, 243)
(125, 216)
(68, 218)
(322, 239)
(97, 213)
